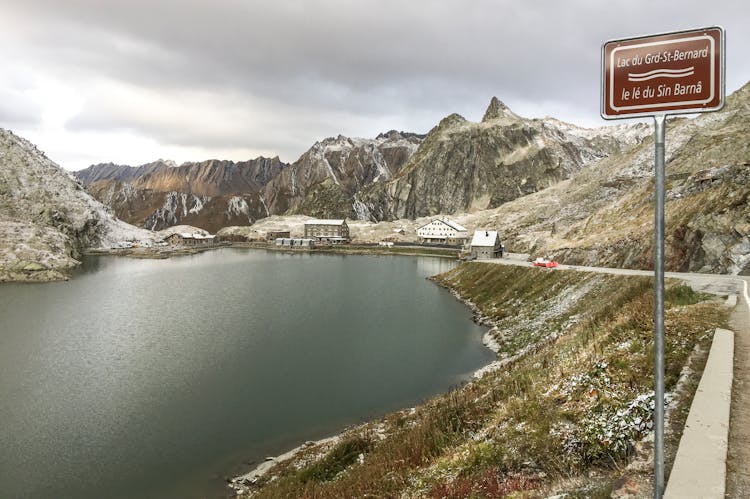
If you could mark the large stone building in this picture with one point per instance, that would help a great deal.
(331, 231)
(442, 231)
(190, 239)
(485, 244)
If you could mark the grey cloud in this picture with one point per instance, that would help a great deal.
(361, 61)
(17, 109)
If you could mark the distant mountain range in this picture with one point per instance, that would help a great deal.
(212, 194)
(458, 166)
(583, 196)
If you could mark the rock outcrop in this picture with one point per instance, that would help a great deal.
(46, 217)
(327, 179)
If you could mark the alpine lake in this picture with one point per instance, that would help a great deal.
(160, 378)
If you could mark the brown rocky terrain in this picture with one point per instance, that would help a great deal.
(209, 194)
(156, 210)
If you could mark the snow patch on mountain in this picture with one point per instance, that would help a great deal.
(198, 203)
(361, 209)
(383, 172)
(237, 206)
(265, 206)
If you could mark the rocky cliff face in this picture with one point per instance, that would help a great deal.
(327, 179)
(209, 194)
(324, 182)
(213, 177)
(46, 217)
(464, 166)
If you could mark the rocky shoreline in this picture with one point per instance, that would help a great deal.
(243, 484)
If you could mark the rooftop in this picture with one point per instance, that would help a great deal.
(484, 238)
(186, 235)
(450, 223)
(323, 222)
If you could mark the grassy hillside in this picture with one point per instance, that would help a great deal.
(563, 412)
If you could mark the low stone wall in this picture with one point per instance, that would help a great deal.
(699, 468)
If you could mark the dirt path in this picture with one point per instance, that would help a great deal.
(738, 454)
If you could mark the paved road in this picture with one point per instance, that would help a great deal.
(738, 454)
(720, 284)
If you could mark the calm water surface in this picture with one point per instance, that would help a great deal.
(143, 378)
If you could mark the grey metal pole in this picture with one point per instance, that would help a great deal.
(659, 139)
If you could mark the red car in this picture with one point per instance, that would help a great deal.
(543, 262)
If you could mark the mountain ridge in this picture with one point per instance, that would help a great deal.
(391, 176)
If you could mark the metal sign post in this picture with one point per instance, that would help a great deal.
(656, 75)
(659, 140)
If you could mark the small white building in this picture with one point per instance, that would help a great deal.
(442, 231)
(486, 244)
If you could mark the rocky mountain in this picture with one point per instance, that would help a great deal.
(459, 166)
(209, 194)
(464, 166)
(46, 217)
(212, 194)
(124, 173)
(157, 210)
(206, 178)
(603, 215)
(326, 180)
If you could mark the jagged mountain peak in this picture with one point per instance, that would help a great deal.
(451, 120)
(390, 134)
(167, 162)
(496, 110)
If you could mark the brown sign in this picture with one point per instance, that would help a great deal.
(670, 73)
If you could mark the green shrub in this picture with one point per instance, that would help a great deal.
(683, 295)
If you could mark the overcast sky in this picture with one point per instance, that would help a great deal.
(131, 81)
